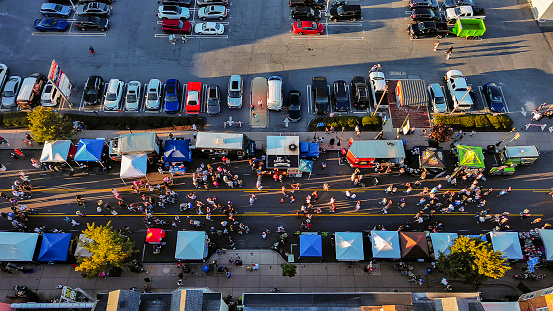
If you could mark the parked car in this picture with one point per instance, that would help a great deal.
(378, 81)
(345, 12)
(10, 91)
(92, 23)
(114, 94)
(153, 94)
(94, 9)
(209, 28)
(88, 1)
(213, 100)
(360, 92)
(413, 4)
(51, 24)
(494, 97)
(235, 90)
(425, 14)
(294, 105)
(172, 96)
(455, 3)
(308, 28)
(437, 98)
(428, 29)
(213, 12)
(176, 26)
(4, 73)
(50, 97)
(93, 90)
(173, 12)
(177, 2)
(132, 99)
(316, 4)
(306, 14)
(211, 2)
(319, 89)
(54, 9)
(193, 97)
(340, 96)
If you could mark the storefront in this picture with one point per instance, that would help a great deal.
(366, 153)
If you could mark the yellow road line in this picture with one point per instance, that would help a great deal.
(241, 190)
(267, 214)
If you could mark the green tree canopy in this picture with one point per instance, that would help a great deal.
(473, 260)
(109, 250)
(47, 125)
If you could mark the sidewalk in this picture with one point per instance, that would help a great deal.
(542, 140)
(320, 277)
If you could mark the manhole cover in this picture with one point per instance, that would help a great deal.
(166, 270)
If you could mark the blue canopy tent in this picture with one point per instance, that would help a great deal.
(90, 150)
(442, 241)
(17, 246)
(385, 244)
(177, 151)
(191, 245)
(311, 245)
(508, 243)
(349, 246)
(54, 247)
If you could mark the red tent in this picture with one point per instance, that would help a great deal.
(154, 235)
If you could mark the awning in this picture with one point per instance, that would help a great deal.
(306, 166)
(154, 235)
(508, 243)
(385, 244)
(414, 245)
(17, 246)
(311, 245)
(191, 245)
(378, 149)
(55, 151)
(80, 250)
(547, 239)
(431, 158)
(349, 246)
(177, 151)
(90, 150)
(133, 166)
(470, 156)
(441, 242)
(54, 247)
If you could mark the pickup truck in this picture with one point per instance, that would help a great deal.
(458, 88)
(321, 100)
(428, 29)
(316, 4)
(309, 151)
(464, 12)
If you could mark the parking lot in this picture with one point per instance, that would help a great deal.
(258, 41)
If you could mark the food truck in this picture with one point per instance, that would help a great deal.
(225, 144)
(519, 155)
(366, 153)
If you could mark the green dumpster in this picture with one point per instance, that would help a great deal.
(469, 28)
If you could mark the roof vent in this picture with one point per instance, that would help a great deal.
(220, 141)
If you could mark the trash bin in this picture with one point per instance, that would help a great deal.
(491, 149)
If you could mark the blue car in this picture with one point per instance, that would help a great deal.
(51, 24)
(172, 96)
(54, 9)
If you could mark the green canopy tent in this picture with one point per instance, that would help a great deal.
(470, 156)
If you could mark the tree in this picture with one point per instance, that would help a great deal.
(440, 133)
(288, 269)
(473, 260)
(47, 125)
(109, 250)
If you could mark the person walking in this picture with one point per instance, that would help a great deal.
(91, 50)
(436, 45)
(449, 52)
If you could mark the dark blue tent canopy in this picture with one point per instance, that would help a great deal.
(177, 151)
(311, 245)
(54, 247)
(90, 150)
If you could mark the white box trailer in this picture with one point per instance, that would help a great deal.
(134, 143)
(225, 144)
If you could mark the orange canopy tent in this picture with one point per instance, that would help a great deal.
(154, 235)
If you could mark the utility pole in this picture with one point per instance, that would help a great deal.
(469, 88)
(380, 101)
(499, 142)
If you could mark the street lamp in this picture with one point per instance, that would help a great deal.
(499, 142)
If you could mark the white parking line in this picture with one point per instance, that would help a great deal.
(344, 24)
(183, 101)
(203, 99)
(59, 34)
(309, 97)
(350, 105)
(195, 36)
(504, 100)
(326, 37)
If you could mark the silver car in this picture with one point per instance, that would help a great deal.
(235, 90)
(132, 99)
(153, 94)
(437, 98)
(212, 12)
(10, 91)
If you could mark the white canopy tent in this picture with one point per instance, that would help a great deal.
(56, 151)
(17, 246)
(508, 243)
(349, 246)
(191, 245)
(385, 244)
(547, 239)
(442, 241)
(133, 166)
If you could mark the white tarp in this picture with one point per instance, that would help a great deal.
(55, 151)
(133, 166)
(349, 246)
(80, 250)
(508, 243)
(547, 239)
(385, 244)
(442, 241)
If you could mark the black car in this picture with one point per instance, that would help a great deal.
(428, 29)
(316, 4)
(425, 14)
(321, 102)
(413, 4)
(92, 23)
(213, 100)
(177, 2)
(345, 12)
(340, 96)
(360, 92)
(88, 1)
(455, 3)
(306, 14)
(211, 2)
(93, 90)
(294, 105)
(494, 97)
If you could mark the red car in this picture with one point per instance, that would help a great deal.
(176, 26)
(193, 92)
(309, 28)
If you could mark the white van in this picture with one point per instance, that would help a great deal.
(274, 93)
(30, 91)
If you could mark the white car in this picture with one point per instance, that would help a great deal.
(209, 28)
(50, 96)
(153, 94)
(212, 12)
(173, 12)
(114, 94)
(132, 99)
(10, 91)
(378, 81)
(4, 73)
